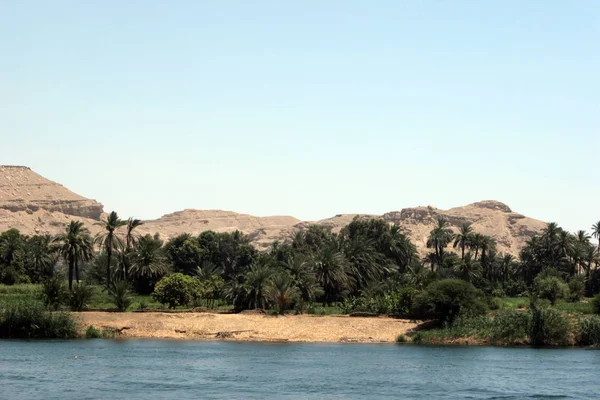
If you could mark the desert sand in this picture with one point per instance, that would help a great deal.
(250, 327)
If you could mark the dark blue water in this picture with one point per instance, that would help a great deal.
(167, 369)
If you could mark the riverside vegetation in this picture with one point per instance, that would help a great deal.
(463, 287)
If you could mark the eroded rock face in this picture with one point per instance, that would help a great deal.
(36, 205)
(21, 189)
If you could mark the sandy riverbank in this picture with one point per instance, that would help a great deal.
(250, 327)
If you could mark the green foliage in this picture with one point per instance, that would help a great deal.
(31, 320)
(121, 295)
(405, 300)
(447, 299)
(550, 288)
(548, 327)
(94, 333)
(177, 290)
(589, 331)
(596, 304)
(401, 339)
(509, 326)
(54, 292)
(282, 291)
(81, 296)
(576, 288)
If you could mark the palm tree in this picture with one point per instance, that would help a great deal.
(109, 240)
(75, 245)
(304, 278)
(131, 238)
(439, 237)
(282, 291)
(463, 239)
(257, 279)
(469, 269)
(148, 261)
(596, 232)
(331, 268)
(130, 235)
(40, 256)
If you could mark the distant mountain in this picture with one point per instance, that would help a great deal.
(34, 204)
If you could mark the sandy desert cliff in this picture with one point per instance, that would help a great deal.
(34, 204)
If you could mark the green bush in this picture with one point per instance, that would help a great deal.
(92, 332)
(177, 290)
(405, 300)
(548, 326)
(589, 331)
(550, 288)
(509, 326)
(31, 320)
(401, 339)
(447, 299)
(81, 296)
(417, 338)
(54, 292)
(576, 288)
(121, 295)
(596, 304)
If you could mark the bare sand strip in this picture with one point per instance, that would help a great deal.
(250, 327)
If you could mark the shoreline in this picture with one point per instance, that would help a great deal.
(249, 327)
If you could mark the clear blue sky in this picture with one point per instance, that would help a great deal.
(307, 108)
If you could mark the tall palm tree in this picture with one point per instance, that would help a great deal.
(257, 280)
(463, 239)
(130, 235)
(305, 279)
(331, 268)
(596, 232)
(148, 261)
(40, 255)
(109, 239)
(75, 245)
(439, 237)
(131, 238)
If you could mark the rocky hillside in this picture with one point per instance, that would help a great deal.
(34, 204)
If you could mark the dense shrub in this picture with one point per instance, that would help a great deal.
(177, 290)
(81, 295)
(550, 288)
(54, 292)
(31, 320)
(589, 331)
(121, 295)
(447, 299)
(405, 300)
(92, 332)
(548, 326)
(576, 288)
(596, 304)
(509, 326)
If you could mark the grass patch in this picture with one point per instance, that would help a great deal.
(576, 308)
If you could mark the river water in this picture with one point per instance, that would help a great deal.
(169, 369)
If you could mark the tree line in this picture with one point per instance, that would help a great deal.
(369, 264)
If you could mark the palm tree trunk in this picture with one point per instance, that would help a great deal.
(109, 255)
(462, 257)
(71, 274)
(77, 271)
